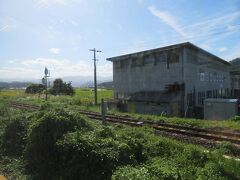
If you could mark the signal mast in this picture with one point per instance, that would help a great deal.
(45, 81)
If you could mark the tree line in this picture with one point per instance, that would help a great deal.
(59, 88)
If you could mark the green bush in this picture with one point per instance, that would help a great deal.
(14, 136)
(35, 88)
(132, 173)
(211, 171)
(163, 169)
(60, 87)
(92, 155)
(235, 118)
(230, 167)
(62, 145)
(41, 155)
(138, 140)
(12, 168)
(228, 148)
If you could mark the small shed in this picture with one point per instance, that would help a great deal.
(220, 109)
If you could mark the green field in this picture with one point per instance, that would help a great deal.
(58, 143)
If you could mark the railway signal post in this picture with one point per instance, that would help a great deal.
(45, 81)
(95, 74)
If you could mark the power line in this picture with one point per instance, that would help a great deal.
(95, 73)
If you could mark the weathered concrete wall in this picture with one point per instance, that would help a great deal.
(145, 73)
(236, 81)
(151, 71)
(203, 73)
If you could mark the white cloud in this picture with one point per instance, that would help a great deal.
(33, 68)
(46, 3)
(8, 24)
(232, 53)
(168, 19)
(73, 22)
(13, 61)
(19, 73)
(5, 28)
(213, 25)
(140, 1)
(54, 50)
(207, 31)
(223, 49)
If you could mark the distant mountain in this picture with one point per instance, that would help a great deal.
(106, 85)
(85, 81)
(14, 85)
(235, 67)
(235, 61)
(77, 81)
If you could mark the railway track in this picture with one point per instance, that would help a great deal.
(27, 107)
(171, 128)
(206, 134)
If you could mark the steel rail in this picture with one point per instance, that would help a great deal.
(160, 126)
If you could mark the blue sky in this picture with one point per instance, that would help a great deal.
(59, 33)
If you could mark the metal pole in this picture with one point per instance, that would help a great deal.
(47, 74)
(95, 74)
(95, 78)
(104, 111)
(46, 88)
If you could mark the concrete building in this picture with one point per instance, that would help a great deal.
(173, 80)
(235, 77)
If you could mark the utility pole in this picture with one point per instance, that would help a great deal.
(95, 73)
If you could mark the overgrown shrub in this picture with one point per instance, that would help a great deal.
(228, 148)
(138, 139)
(35, 88)
(65, 145)
(129, 172)
(92, 155)
(60, 87)
(211, 171)
(169, 168)
(14, 136)
(84, 101)
(235, 118)
(189, 162)
(41, 155)
(12, 168)
(230, 167)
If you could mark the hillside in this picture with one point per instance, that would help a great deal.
(14, 85)
(106, 85)
(235, 61)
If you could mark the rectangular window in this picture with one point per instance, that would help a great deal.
(134, 62)
(206, 77)
(210, 77)
(201, 97)
(173, 58)
(160, 58)
(148, 60)
(124, 64)
(209, 94)
(202, 76)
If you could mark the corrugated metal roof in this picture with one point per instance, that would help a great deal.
(175, 46)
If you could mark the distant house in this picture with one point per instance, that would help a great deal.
(171, 80)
